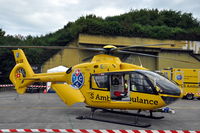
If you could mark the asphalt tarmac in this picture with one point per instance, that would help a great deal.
(47, 111)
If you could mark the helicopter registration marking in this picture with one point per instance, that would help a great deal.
(20, 61)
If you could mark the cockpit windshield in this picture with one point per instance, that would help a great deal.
(166, 86)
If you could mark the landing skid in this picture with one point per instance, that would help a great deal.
(134, 114)
(136, 123)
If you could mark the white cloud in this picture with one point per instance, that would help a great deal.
(104, 12)
(63, 2)
(38, 17)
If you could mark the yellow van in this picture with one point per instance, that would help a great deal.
(187, 79)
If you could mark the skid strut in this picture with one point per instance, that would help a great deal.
(136, 123)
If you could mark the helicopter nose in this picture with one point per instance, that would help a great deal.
(168, 90)
(169, 99)
(175, 94)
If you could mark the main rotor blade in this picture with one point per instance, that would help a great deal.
(149, 55)
(54, 47)
(144, 45)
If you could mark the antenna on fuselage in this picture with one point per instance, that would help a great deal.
(140, 61)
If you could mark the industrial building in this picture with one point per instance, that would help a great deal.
(187, 51)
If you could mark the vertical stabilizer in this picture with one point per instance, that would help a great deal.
(21, 72)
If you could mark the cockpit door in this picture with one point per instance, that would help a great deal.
(143, 93)
(140, 83)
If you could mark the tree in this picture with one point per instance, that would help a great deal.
(151, 23)
(2, 33)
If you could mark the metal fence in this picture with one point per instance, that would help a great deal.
(5, 89)
(30, 89)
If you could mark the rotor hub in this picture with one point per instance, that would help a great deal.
(109, 48)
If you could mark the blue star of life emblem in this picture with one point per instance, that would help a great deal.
(179, 77)
(77, 79)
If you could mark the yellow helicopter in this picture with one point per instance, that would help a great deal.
(104, 83)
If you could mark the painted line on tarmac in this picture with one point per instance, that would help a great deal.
(187, 108)
(68, 108)
(94, 131)
(43, 107)
(57, 108)
(37, 108)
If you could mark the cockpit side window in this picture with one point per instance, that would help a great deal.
(140, 83)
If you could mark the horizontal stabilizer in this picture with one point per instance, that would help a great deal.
(68, 94)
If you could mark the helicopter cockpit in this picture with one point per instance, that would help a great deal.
(122, 84)
(163, 85)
